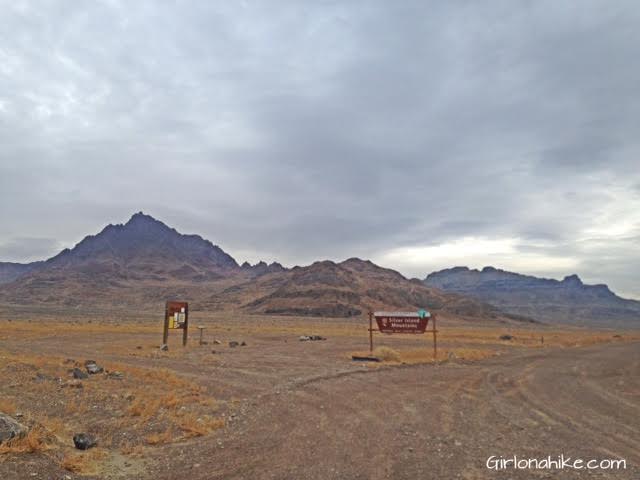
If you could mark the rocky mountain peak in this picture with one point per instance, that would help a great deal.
(572, 280)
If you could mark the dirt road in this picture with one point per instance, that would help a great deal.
(431, 422)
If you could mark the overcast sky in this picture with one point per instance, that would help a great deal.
(421, 135)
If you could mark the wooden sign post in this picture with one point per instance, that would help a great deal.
(176, 316)
(404, 322)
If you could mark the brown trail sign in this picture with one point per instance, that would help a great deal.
(403, 322)
(176, 316)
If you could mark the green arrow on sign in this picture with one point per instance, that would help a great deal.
(422, 313)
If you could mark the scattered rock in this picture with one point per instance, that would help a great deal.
(79, 374)
(217, 342)
(506, 337)
(115, 375)
(312, 338)
(243, 344)
(10, 428)
(164, 347)
(139, 347)
(92, 368)
(84, 441)
(364, 358)
(89, 362)
(233, 344)
(41, 377)
(451, 356)
(214, 352)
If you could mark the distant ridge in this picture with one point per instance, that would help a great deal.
(567, 301)
(9, 271)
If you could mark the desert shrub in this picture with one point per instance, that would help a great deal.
(387, 354)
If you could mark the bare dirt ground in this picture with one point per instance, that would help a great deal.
(284, 409)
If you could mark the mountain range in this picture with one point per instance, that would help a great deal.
(144, 262)
(565, 301)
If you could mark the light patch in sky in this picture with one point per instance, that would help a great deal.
(475, 252)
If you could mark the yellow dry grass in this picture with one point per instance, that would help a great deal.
(73, 463)
(194, 426)
(7, 406)
(36, 440)
(159, 438)
(387, 354)
(538, 337)
(425, 355)
(85, 463)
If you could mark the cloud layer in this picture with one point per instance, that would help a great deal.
(418, 134)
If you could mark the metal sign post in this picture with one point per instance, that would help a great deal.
(370, 331)
(176, 316)
(404, 322)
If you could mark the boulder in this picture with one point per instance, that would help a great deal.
(92, 368)
(506, 337)
(164, 347)
(84, 441)
(10, 428)
(233, 344)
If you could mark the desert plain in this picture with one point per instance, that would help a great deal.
(278, 407)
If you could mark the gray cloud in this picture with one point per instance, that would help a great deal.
(296, 131)
(30, 249)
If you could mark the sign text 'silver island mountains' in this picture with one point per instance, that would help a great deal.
(143, 262)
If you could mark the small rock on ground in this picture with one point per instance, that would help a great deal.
(84, 441)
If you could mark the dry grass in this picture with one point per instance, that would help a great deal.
(530, 338)
(387, 354)
(145, 408)
(85, 463)
(194, 426)
(159, 438)
(36, 440)
(7, 406)
(73, 463)
(54, 425)
(425, 355)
